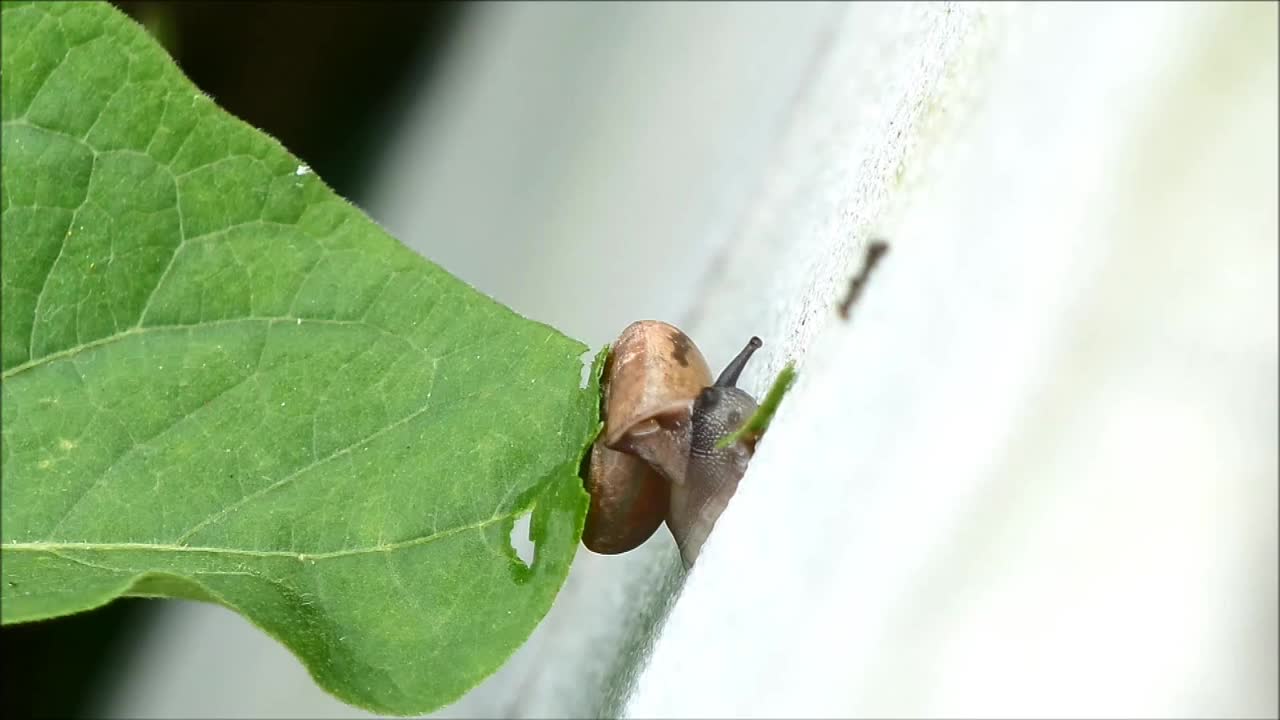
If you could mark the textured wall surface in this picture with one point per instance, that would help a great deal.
(1034, 474)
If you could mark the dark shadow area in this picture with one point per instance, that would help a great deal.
(50, 667)
(326, 79)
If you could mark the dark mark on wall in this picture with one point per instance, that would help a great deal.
(875, 251)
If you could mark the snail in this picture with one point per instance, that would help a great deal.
(657, 458)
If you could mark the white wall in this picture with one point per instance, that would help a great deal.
(1035, 474)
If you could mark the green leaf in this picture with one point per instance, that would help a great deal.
(222, 382)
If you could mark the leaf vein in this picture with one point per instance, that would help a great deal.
(173, 257)
(304, 469)
(44, 285)
(53, 547)
(178, 422)
(137, 330)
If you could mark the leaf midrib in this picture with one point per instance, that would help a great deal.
(53, 547)
(143, 330)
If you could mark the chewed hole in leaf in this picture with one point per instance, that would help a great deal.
(521, 541)
(592, 366)
(588, 364)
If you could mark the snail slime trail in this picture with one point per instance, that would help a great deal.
(658, 457)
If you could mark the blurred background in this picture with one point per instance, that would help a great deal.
(1036, 476)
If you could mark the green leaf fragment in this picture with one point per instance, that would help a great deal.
(222, 382)
(756, 425)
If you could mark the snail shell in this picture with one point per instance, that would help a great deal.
(657, 458)
(652, 377)
(629, 500)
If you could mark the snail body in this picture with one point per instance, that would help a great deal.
(713, 473)
(656, 458)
